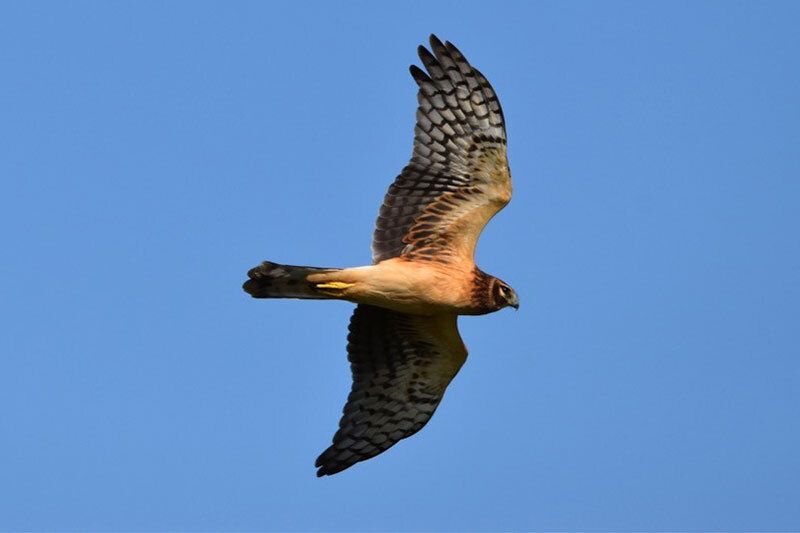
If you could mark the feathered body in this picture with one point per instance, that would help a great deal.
(403, 346)
(397, 284)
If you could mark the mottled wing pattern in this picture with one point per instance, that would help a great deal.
(458, 176)
(401, 366)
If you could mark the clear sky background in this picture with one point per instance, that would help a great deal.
(153, 152)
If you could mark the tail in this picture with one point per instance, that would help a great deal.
(271, 280)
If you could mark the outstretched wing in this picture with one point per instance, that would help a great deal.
(458, 176)
(401, 366)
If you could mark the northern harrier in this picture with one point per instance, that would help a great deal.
(404, 347)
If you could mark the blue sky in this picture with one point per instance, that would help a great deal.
(153, 152)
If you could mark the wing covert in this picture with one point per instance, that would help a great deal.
(401, 366)
(458, 176)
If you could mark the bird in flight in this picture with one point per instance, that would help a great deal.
(403, 344)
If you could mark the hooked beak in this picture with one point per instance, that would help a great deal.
(514, 302)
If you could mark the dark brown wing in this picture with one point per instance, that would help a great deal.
(458, 176)
(401, 366)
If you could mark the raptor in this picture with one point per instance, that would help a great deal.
(403, 344)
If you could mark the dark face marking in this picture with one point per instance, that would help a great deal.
(490, 294)
(504, 295)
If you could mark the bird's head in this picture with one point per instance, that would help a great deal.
(503, 295)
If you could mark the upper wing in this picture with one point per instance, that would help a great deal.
(401, 366)
(458, 176)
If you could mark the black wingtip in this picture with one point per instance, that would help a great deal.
(418, 74)
(329, 470)
(435, 42)
(425, 55)
(453, 50)
(328, 465)
(320, 464)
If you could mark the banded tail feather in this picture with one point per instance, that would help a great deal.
(273, 280)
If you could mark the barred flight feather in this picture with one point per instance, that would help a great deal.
(404, 347)
(401, 366)
(458, 176)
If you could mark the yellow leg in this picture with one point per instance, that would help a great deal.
(335, 285)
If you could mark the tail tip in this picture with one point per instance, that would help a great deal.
(260, 279)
